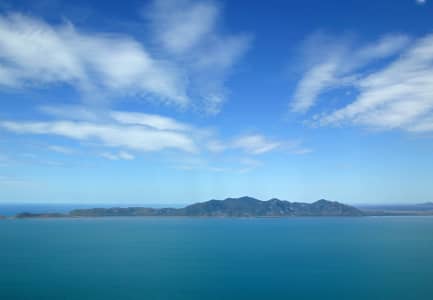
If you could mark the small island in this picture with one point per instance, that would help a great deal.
(230, 207)
(244, 207)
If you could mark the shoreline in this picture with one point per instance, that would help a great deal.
(67, 217)
(243, 207)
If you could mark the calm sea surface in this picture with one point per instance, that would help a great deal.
(187, 258)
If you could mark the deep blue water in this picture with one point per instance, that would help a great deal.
(186, 258)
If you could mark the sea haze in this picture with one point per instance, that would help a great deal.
(217, 258)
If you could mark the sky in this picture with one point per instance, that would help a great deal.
(175, 102)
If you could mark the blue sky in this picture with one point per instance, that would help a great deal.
(181, 101)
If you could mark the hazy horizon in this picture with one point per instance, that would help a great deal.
(180, 204)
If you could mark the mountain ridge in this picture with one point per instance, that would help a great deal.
(230, 207)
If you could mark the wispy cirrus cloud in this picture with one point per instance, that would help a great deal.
(255, 144)
(398, 96)
(181, 25)
(149, 120)
(393, 84)
(330, 63)
(61, 149)
(251, 144)
(101, 66)
(121, 155)
(92, 62)
(132, 137)
(189, 32)
(140, 132)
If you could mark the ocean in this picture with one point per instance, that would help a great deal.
(217, 258)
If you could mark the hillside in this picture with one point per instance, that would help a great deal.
(231, 207)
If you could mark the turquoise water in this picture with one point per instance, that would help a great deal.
(187, 258)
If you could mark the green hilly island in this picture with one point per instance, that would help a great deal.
(230, 207)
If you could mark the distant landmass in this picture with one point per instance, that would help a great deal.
(40, 215)
(427, 205)
(230, 207)
(245, 207)
(421, 209)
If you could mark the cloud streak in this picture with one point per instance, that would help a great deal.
(189, 33)
(121, 155)
(395, 93)
(92, 62)
(149, 120)
(191, 61)
(337, 65)
(140, 132)
(255, 144)
(136, 138)
(181, 25)
(61, 149)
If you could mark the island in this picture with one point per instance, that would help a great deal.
(245, 207)
(25, 215)
(230, 207)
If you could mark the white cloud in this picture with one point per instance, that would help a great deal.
(255, 144)
(61, 149)
(154, 121)
(96, 114)
(140, 132)
(121, 155)
(331, 63)
(252, 144)
(400, 95)
(301, 151)
(314, 82)
(191, 60)
(392, 80)
(92, 62)
(112, 135)
(216, 146)
(125, 155)
(421, 2)
(181, 25)
(188, 32)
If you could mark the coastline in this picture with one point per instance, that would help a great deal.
(243, 207)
